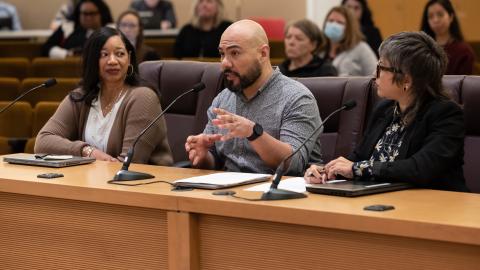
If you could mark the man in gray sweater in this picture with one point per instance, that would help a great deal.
(261, 117)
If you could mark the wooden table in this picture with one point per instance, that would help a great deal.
(81, 222)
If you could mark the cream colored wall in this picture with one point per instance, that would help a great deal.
(37, 14)
(393, 16)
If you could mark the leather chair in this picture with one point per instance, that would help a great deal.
(470, 99)
(188, 116)
(343, 131)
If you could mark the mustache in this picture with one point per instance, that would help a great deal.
(229, 71)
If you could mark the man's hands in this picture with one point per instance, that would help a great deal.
(236, 126)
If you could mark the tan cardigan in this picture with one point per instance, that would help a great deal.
(64, 133)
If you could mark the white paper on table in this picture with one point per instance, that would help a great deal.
(296, 184)
(57, 157)
(224, 178)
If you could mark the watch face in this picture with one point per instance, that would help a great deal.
(257, 132)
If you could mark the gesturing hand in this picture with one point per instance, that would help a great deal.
(197, 147)
(237, 126)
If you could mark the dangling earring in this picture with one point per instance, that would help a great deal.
(131, 70)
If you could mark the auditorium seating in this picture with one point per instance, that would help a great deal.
(46, 67)
(9, 88)
(17, 67)
(15, 126)
(56, 92)
(41, 113)
(20, 48)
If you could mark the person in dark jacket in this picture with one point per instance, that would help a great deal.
(303, 42)
(155, 14)
(201, 36)
(362, 12)
(417, 133)
(70, 36)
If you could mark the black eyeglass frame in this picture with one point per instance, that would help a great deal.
(389, 69)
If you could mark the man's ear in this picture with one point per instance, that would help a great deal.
(265, 51)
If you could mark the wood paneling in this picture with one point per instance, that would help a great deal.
(232, 243)
(46, 233)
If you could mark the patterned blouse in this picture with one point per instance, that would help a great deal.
(386, 149)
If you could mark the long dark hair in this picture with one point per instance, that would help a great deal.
(103, 9)
(91, 71)
(455, 30)
(366, 18)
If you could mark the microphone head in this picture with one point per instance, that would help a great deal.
(198, 87)
(350, 105)
(50, 82)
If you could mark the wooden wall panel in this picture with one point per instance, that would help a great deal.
(67, 234)
(231, 243)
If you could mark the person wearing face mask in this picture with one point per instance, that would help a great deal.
(201, 36)
(131, 25)
(303, 41)
(261, 116)
(440, 22)
(351, 56)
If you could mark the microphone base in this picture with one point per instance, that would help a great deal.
(281, 194)
(124, 175)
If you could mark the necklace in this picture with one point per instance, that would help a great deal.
(108, 108)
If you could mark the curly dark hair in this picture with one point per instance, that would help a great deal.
(103, 9)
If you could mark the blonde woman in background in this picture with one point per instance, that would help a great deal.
(200, 37)
(350, 54)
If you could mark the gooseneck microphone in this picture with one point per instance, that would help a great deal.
(46, 84)
(280, 194)
(124, 174)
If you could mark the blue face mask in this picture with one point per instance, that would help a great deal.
(334, 31)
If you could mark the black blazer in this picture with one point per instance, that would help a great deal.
(431, 155)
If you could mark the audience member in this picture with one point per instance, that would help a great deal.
(130, 24)
(303, 41)
(415, 135)
(362, 13)
(9, 19)
(201, 36)
(69, 37)
(349, 53)
(155, 14)
(441, 23)
(64, 14)
(103, 117)
(262, 115)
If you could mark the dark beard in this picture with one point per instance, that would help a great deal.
(245, 81)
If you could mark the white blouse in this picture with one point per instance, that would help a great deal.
(98, 127)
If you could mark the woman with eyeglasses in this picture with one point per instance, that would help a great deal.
(346, 48)
(441, 23)
(416, 133)
(130, 23)
(68, 39)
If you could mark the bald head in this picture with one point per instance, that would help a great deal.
(246, 31)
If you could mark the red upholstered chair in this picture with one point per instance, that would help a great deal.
(274, 27)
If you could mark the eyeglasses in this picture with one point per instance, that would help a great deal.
(128, 25)
(389, 69)
(89, 13)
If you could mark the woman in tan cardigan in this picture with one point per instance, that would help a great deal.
(102, 118)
